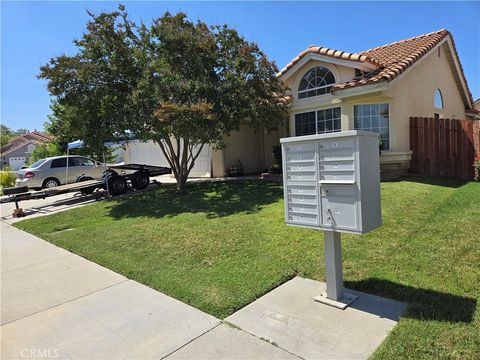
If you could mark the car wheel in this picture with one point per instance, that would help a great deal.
(50, 183)
(140, 180)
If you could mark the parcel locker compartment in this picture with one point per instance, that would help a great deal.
(302, 199)
(301, 176)
(300, 147)
(302, 219)
(335, 144)
(302, 208)
(338, 190)
(340, 176)
(339, 211)
(336, 155)
(337, 165)
(302, 157)
(306, 166)
(302, 189)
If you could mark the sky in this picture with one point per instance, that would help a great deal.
(34, 32)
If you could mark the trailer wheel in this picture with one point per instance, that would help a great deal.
(140, 180)
(88, 190)
(117, 185)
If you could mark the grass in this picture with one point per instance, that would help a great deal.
(219, 246)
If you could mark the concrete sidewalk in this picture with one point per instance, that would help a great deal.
(56, 304)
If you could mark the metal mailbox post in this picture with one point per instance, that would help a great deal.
(332, 182)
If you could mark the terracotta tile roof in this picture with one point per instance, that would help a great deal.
(392, 59)
(395, 58)
(342, 55)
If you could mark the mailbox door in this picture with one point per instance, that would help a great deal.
(300, 174)
(339, 207)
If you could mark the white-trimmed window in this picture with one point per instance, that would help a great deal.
(317, 81)
(318, 122)
(438, 99)
(374, 118)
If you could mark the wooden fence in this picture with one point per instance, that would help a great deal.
(444, 147)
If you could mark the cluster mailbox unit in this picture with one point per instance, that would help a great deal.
(332, 183)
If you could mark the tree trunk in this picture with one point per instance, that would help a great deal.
(182, 160)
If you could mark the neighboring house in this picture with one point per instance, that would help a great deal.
(378, 90)
(477, 104)
(15, 154)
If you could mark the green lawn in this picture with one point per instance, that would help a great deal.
(221, 245)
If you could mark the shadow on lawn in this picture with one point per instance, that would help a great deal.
(216, 199)
(422, 304)
(431, 180)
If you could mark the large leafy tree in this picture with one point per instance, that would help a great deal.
(179, 83)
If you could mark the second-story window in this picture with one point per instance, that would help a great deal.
(317, 81)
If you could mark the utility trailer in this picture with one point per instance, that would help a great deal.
(136, 176)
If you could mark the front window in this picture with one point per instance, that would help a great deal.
(317, 81)
(374, 118)
(318, 122)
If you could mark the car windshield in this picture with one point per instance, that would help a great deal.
(37, 163)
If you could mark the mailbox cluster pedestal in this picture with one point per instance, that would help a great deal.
(335, 294)
(332, 182)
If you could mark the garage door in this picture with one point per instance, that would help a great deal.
(16, 163)
(151, 154)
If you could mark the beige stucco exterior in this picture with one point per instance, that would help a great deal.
(411, 94)
(252, 148)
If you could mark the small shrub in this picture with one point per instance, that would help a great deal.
(7, 178)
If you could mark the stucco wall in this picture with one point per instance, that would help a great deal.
(252, 148)
(413, 95)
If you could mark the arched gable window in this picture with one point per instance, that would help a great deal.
(438, 99)
(317, 81)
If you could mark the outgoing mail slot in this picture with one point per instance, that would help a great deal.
(300, 147)
(338, 190)
(309, 166)
(334, 155)
(339, 211)
(302, 208)
(301, 176)
(307, 219)
(337, 165)
(339, 176)
(301, 189)
(302, 199)
(336, 144)
(300, 157)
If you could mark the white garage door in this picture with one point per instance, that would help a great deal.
(150, 153)
(16, 163)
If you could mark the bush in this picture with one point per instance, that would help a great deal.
(7, 178)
